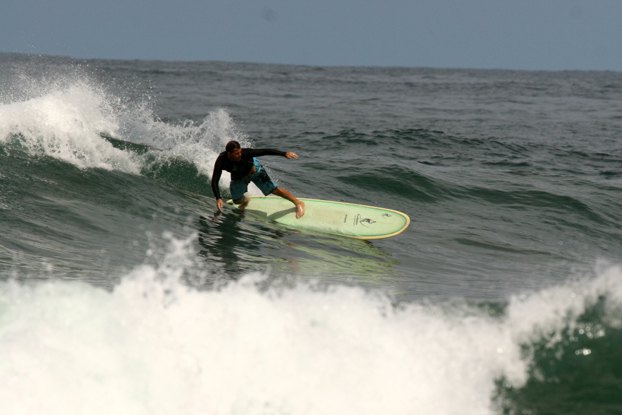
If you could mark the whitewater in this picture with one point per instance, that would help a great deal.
(154, 346)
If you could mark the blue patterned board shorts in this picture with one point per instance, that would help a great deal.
(260, 178)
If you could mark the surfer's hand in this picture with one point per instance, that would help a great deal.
(219, 204)
(291, 155)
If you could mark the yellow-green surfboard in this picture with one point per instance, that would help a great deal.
(335, 218)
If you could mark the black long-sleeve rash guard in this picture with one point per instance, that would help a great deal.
(238, 169)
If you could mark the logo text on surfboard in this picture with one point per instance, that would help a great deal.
(359, 220)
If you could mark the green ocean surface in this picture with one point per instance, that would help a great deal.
(118, 283)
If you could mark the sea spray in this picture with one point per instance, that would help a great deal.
(65, 123)
(198, 143)
(73, 118)
(154, 345)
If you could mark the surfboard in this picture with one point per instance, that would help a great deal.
(335, 218)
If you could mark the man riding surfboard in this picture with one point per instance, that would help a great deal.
(244, 167)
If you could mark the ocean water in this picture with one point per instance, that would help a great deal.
(121, 291)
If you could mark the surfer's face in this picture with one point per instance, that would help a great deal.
(235, 155)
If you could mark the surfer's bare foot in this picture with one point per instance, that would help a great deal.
(300, 209)
(300, 205)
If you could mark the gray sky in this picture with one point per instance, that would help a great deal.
(514, 34)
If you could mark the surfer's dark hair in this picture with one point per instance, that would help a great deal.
(232, 145)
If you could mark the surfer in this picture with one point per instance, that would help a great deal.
(244, 167)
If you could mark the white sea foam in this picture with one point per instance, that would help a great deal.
(64, 122)
(155, 346)
(65, 117)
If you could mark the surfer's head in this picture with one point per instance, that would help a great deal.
(234, 150)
